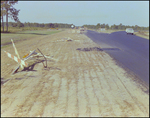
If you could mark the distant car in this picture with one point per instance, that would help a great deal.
(129, 31)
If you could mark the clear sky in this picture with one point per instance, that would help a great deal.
(85, 12)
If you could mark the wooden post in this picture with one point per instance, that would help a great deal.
(44, 57)
(16, 70)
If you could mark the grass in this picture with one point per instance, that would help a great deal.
(18, 35)
(109, 31)
(143, 34)
(17, 29)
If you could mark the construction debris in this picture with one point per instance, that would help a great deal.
(64, 39)
(22, 62)
(35, 54)
(17, 53)
(45, 59)
(69, 39)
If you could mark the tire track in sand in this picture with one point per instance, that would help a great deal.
(61, 104)
(10, 92)
(17, 99)
(92, 76)
(71, 96)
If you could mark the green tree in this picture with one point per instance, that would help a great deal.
(98, 26)
(42, 25)
(10, 11)
(120, 26)
(19, 24)
(103, 25)
(3, 13)
(55, 25)
(107, 26)
(29, 24)
(115, 26)
(13, 24)
(136, 27)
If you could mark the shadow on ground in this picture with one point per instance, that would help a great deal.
(8, 32)
(30, 33)
(30, 68)
(90, 49)
(97, 49)
(3, 81)
(8, 43)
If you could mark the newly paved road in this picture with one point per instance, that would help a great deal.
(129, 50)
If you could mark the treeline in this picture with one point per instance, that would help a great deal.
(8, 10)
(44, 25)
(62, 25)
(115, 27)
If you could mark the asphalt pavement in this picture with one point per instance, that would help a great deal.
(130, 51)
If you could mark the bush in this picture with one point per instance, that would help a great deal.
(19, 24)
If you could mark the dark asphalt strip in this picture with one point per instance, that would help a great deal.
(133, 51)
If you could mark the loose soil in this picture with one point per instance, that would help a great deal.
(143, 34)
(80, 80)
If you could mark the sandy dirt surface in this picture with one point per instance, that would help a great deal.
(108, 31)
(80, 80)
(143, 34)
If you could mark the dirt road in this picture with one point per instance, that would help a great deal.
(80, 81)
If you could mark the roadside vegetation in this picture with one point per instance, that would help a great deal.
(105, 28)
(116, 27)
(20, 34)
(8, 10)
(143, 34)
(19, 31)
(18, 26)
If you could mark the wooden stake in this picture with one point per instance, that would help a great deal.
(44, 57)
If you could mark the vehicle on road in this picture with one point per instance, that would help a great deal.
(129, 31)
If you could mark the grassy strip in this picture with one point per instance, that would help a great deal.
(24, 35)
(142, 34)
(17, 29)
(109, 31)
